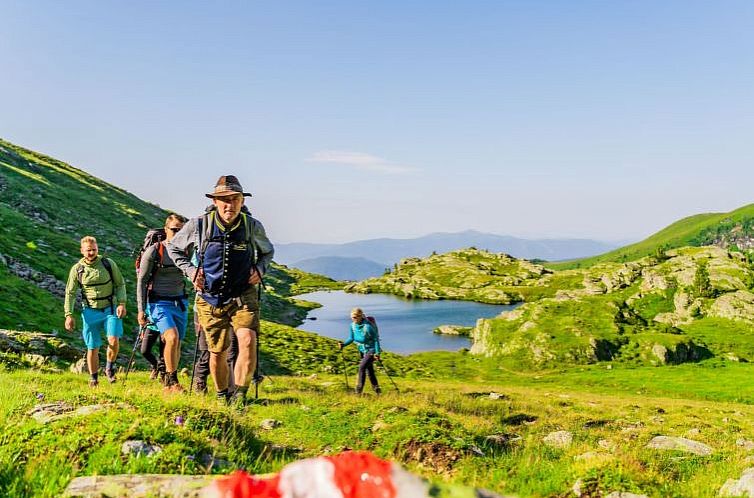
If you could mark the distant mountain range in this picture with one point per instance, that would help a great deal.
(369, 258)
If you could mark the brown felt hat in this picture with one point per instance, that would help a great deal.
(227, 185)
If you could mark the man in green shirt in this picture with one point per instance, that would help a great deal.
(103, 299)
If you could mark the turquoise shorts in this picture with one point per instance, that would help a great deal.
(98, 321)
(170, 315)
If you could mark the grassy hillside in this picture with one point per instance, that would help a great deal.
(46, 206)
(722, 229)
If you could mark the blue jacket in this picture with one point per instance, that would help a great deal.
(365, 336)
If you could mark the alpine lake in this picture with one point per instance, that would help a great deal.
(405, 325)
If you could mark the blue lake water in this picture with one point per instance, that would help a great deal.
(405, 325)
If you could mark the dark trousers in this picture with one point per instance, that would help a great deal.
(366, 367)
(201, 368)
(150, 337)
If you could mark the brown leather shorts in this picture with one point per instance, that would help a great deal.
(217, 321)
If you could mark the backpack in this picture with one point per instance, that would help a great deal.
(80, 278)
(153, 237)
(373, 322)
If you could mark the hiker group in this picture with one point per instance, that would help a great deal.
(224, 254)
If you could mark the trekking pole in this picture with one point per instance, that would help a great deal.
(345, 369)
(388, 375)
(137, 343)
(193, 363)
(257, 380)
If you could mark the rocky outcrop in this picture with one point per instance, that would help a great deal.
(469, 274)
(737, 305)
(41, 280)
(453, 330)
(686, 309)
(48, 346)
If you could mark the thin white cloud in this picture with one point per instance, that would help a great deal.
(359, 160)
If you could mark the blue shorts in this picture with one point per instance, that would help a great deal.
(98, 321)
(170, 315)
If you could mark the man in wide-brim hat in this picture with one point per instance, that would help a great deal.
(233, 254)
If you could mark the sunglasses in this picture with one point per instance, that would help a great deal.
(174, 229)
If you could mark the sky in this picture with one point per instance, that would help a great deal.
(355, 120)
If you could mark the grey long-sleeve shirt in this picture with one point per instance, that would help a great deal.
(168, 281)
(186, 242)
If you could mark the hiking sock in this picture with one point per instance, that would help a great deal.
(95, 376)
(172, 378)
(109, 366)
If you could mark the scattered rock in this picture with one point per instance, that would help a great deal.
(559, 439)
(476, 450)
(379, 425)
(679, 444)
(693, 432)
(744, 486)
(46, 412)
(494, 395)
(624, 494)
(138, 486)
(212, 462)
(137, 448)
(502, 441)
(606, 445)
(270, 423)
(746, 445)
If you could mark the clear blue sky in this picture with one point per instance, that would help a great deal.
(352, 120)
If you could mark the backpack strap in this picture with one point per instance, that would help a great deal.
(157, 263)
(204, 231)
(249, 228)
(80, 277)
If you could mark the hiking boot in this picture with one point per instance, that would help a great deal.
(200, 387)
(93, 383)
(110, 373)
(238, 398)
(154, 374)
(223, 396)
(163, 377)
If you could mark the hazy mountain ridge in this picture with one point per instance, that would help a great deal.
(388, 251)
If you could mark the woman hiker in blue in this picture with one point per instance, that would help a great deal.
(366, 337)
